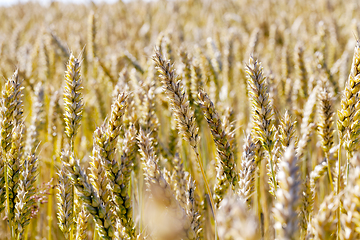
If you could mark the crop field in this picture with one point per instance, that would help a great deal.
(180, 120)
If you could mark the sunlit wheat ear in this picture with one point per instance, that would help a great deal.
(349, 114)
(11, 109)
(97, 172)
(73, 102)
(65, 203)
(25, 197)
(88, 195)
(261, 112)
(178, 99)
(236, 221)
(247, 172)
(114, 125)
(285, 210)
(118, 174)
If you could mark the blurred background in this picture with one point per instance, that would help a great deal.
(46, 2)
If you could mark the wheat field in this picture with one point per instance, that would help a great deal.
(182, 119)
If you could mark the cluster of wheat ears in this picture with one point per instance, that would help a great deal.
(184, 119)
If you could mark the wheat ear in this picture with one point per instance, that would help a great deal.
(65, 204)
(247, 173)
(287, 196)
(183, 113)
(88, 195)
(261, 111)
(73, 103)
(25, 197)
